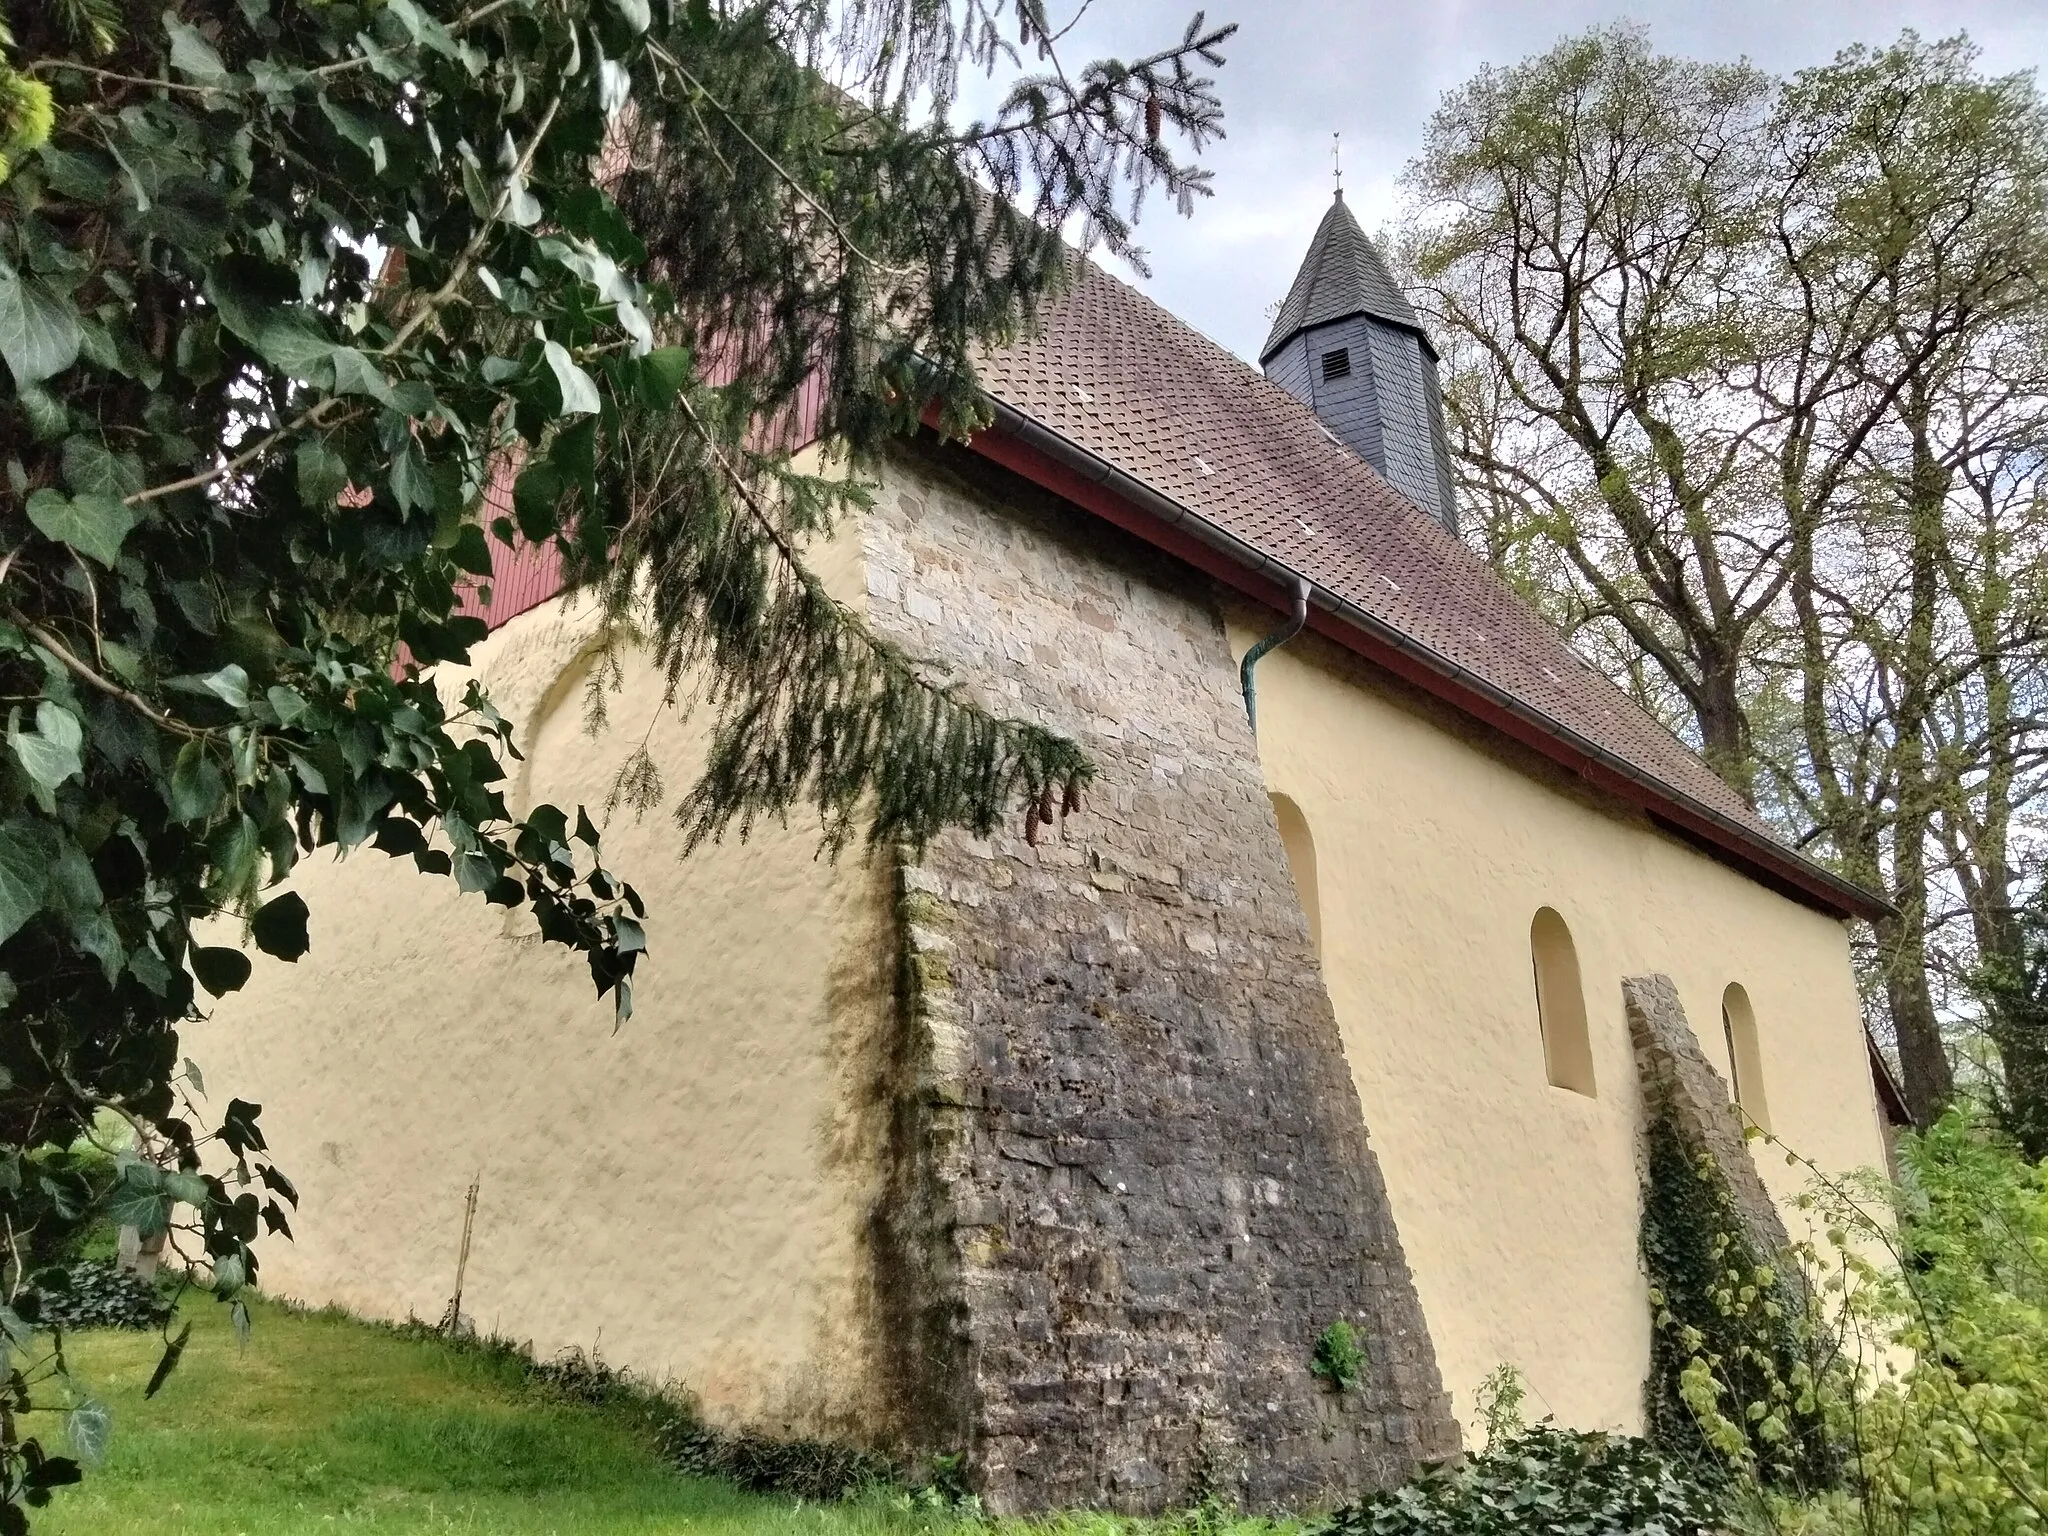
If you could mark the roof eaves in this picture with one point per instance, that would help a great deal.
(1719, 831)
(1412, 327)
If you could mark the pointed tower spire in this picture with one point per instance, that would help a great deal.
(1347, 343)
(1342, 275)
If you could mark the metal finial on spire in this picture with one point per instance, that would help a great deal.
(1337, 160)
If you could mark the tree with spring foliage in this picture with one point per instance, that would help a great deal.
(1744, 372)
(283, 284)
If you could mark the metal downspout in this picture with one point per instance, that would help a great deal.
(1272, 642)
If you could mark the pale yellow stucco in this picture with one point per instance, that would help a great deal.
(689, 1194)
(685, 1194)
(1516, 1200)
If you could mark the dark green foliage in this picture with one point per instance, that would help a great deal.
(1544, 1482)
(805, 1468)
(242, 470)
(1727, 1323)
(96, 1294)
(1339, 1358)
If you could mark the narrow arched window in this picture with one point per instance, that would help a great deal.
(1301, 863)
(1745, 1055)
(1561, 1004)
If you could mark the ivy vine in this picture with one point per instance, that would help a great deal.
(1732, 1382)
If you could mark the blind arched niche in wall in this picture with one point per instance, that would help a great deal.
(1745, 1055)
(1561, 1004)
(1301, 863)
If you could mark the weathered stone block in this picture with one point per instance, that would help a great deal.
(1673, 1071)
(1149, 1092)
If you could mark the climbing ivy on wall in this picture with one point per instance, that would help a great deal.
(1732, 1380)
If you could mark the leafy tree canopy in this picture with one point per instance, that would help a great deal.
(283, 285)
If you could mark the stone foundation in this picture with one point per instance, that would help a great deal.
(1132, 1181)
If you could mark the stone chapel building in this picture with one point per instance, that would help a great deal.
(1063, 1155)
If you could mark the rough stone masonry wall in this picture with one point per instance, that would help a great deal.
(1672, 1071)
(1140, 1161)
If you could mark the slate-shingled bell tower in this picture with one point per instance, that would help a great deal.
(1347, 344)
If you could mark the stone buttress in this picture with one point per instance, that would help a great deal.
(1130, 1179)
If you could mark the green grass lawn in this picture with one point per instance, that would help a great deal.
(322, 1424)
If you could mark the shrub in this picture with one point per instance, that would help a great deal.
(818, 1470)
(93, 1293)
(1949, 1426)
(1543, 1482)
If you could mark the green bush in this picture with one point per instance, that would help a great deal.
(1543, 1482)
(96, 1294)
(1944, 1321)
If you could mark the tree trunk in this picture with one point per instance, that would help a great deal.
(1724, 730)
(1930, 1081)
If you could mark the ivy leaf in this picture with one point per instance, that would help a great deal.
(196, 784)
(231, 685)
(92, 469)
(89, 1427)
(635, 13)
(286, 703)
(295, 343)
(472, 550)
(321, 474)
(191, 54)
(354, 374)
(663, 373)
(579, 394)
(94, 525)
(536, 500)
(474, 872)
(279, 926)
(220, 970)
(50, 753)
(188, 1188)
(521, 206)
(173, 1351)
(140, 1200)
(27, 851)
(38, 331)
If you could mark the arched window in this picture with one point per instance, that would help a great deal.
(1561, 1004)
(1301, 863)
(1745, 1056)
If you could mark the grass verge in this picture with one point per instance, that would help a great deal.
(325, 1424)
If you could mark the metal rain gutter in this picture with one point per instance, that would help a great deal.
(1092, 467)
(1286, 632)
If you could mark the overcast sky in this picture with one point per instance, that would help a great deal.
(1373, 70)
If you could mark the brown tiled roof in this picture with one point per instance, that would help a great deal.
(1116, 375)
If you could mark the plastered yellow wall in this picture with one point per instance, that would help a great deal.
(685, 1194)
(688, 1194)
(1517, 1201)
